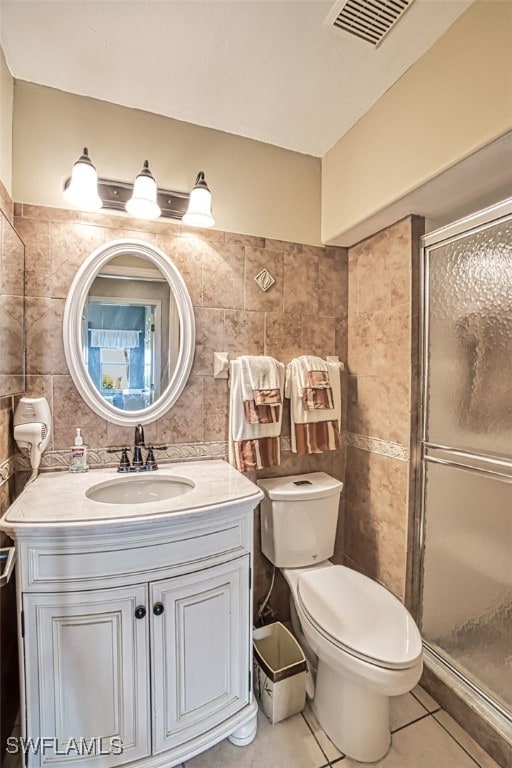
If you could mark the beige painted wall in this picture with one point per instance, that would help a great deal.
(258, 189)
(454, 100)
(6, 108)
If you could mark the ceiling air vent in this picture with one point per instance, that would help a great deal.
(369, 20)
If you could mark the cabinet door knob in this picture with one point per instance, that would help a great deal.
(140, 612)
(158, 609)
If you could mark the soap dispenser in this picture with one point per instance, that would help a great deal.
(78, 454)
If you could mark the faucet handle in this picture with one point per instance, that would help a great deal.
(124, 464)
(150, 460)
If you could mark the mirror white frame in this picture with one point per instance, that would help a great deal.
(72, 331)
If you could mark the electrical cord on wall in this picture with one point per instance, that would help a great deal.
(32, 477)
(267, 597)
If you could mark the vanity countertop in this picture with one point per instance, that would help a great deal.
(59, 499)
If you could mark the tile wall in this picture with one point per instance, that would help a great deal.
(304, 312)
(361, 306)
(382, 402)
(9, 698)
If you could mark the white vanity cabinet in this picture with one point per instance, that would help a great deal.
(87, 675)
(136, 636)
(200, 651)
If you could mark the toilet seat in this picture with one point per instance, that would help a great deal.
(359, 616)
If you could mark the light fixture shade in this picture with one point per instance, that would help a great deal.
(199, 211)
(142, 204)
(82, 189)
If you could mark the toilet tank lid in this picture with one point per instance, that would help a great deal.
(314, 485)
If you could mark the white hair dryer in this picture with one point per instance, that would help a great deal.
(32, 428)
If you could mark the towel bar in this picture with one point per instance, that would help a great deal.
(221, 364)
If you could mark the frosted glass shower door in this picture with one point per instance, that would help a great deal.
(467, 452)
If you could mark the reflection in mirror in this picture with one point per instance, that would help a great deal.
(12, 345)
(129, 332)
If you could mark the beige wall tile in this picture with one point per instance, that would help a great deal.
(126, 233)
(318, 251)
(39, 386)
(36, 236)
(6, 442)
(184, 422)
(209, 339)
(70, 244)
(46, 213)
(243, 332)
(301, 283)
(399, 397)
(318, 335)
(12, 255)
(70, 412)
(283, 335)
(125, 436)
(368, 410)
(215, 409)
(6, 205)
(206, 235)
(376, 516)
(186, 255)
(333, 282)
(223, 276)
(353, 285)
(11, 337)
(382, 357)
(235, 239)
(341, 337)
(282, 245)
(379, 406)
(43, 336)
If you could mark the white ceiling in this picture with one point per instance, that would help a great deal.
(266, 69)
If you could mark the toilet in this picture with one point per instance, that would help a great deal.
(364, 643)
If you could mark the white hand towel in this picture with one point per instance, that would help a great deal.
(260, 372)
(293, 390)
(239, 428)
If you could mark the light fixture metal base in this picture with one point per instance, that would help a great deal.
(115, 194)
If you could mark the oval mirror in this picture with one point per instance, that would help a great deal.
(129, 332)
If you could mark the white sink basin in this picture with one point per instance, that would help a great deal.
(139, 489)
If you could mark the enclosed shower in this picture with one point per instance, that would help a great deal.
(466, 496)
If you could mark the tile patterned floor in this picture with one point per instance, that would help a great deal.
(424, 736)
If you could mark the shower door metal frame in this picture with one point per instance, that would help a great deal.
(434, 453)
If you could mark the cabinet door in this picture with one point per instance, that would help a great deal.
(87, 681)
(200, 645)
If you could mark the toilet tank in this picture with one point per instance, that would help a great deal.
(298, 518)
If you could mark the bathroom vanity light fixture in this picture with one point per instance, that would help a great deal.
(81, 190)
(142, 204)
(142, 200)
(199, 212)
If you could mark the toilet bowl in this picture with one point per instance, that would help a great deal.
(368, 648)
(366, 645)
